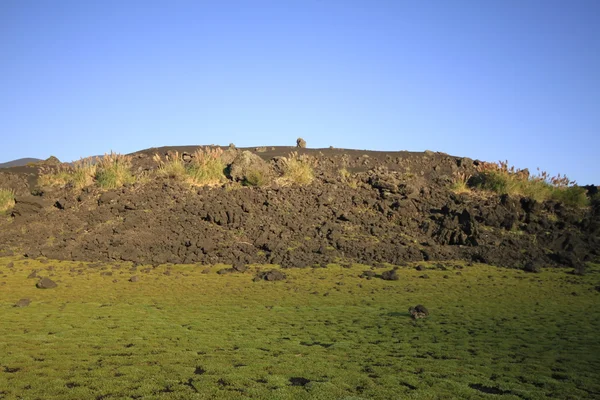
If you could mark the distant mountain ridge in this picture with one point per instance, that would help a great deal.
(21, 162)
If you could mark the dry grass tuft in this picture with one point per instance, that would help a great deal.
(114, 170)
(79, 175)
(207, 167)
(298, 169)
(7, 199)
(460, 183)
(174, 167)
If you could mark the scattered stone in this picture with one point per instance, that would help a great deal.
(225, 271)
(418, 312)
(134, 278)
(23, 303)
(424, 276)
(29, 205)
(108, 197)
(33, 274)
(532, 266)
(368, 274)
(46, 283)
(390, 275)
(299, 381)
(271, 276)
(240, 267)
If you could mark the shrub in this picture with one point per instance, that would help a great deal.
(298, 169)
(255, 178)
(113, 170)
(573, 195)
(207, 167)
(502, 179)
(7, 199)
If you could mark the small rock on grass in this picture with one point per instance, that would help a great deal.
(419, 311)
(273, 275)
(390, 275)
(46, 283)
(23, 303)
(134, 278)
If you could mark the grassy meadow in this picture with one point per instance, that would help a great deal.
(185, 332)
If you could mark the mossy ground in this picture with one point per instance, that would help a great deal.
(322, 334)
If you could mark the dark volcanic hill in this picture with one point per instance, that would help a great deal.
(21, 162)
(363, 206)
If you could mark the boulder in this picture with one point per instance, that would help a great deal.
(249, 168)
(390, 275)
(273, 275)
(418, 312)
(46, 283)
(240, 267)
(301, 143)
(23, 303)
(532, 266)
(29, 205)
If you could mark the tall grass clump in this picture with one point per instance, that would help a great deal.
(207, 167)
(460, 183)
(173, 167)
(84, 172)
(298, 168)
(78, 175)
(502, 179)
(7, 199)
(113, 170)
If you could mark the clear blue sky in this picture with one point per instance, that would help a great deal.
(498, 79)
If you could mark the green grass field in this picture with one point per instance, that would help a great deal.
(179, 333)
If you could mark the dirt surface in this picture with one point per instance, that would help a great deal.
(364, 207)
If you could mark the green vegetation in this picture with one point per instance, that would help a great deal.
(255, 178)
(174, 167)
(298, 169)
(7, 199)
(460, 183)
(114, 170)
(79, 175)
(322, 334)
(500, 178)
(205, 168)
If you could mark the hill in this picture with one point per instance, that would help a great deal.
(350, 206)
(21, 162)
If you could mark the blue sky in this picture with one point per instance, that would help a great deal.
(516, 80)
